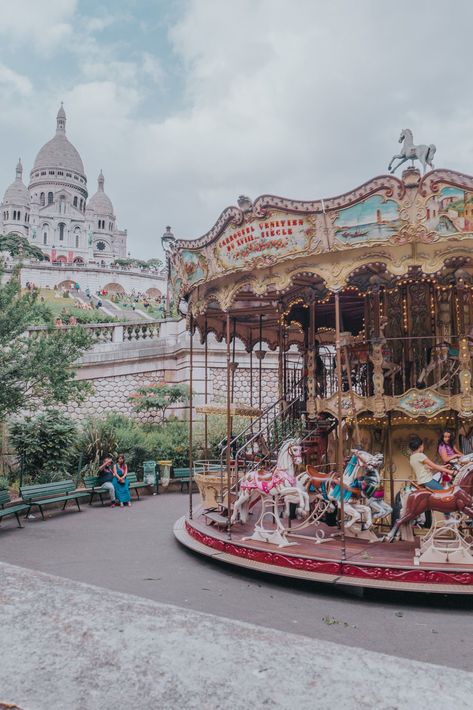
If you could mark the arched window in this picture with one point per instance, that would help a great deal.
(14, 215)
(42, 199)
(75, 201)
(45, 237)
(81, 203)
(77, 240)
(61, 231)
(50, 198)
(62, 205)
(18, 215)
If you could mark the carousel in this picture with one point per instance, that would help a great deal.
(367, 300)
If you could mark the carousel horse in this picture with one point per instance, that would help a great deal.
(371, 490)
(456, 498)
(279, 481)
(353, 488)
(327, 485)
(409, 151)
(441, 355)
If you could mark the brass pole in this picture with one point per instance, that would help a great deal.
(229, 427)
(260, 362)
(206, 394)
(340, 423)
(390, 459)
(191, 378)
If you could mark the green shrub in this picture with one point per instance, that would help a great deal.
(4, 483)
(97, 439)
(44, 444)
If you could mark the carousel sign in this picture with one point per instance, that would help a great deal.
(265, 240)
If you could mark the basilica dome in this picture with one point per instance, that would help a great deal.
(101, 203)
(59, 151)
(17, 193)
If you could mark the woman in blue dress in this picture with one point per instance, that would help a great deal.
(120, 481)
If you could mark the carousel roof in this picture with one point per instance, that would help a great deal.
(365, 238)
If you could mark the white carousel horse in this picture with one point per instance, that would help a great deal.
(279, 481)
(444, 357)
(356, 511)
(409, 151)
(371, 481)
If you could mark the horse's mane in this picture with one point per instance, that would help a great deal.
(464, 473)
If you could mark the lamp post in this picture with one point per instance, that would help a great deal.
(167, 241)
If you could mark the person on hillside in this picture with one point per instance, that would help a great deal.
(105, 479)
(120, 481)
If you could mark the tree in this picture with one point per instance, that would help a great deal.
(35, 370)
(155, 264)
(158, 396)
(44, 444)
(19, 247)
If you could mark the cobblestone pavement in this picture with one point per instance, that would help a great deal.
(134, 551)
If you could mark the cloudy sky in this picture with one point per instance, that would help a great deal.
(185, 104)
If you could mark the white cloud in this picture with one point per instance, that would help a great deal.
(31, 22)
(12, 81)
(306, 102)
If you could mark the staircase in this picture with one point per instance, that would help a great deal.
(259, 442)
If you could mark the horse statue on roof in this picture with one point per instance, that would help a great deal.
(409, 151)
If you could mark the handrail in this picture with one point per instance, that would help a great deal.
(253, 423)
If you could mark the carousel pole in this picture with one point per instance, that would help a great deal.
(340, 423)
(206, 394)
(191, 377)
(390, 459)
(260, 368)
(229, 425)
(352, 397)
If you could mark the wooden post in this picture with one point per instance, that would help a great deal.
(340, 440)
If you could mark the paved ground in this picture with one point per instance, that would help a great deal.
(134, 551)
(66, 645)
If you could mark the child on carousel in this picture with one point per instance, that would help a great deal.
(423, 467)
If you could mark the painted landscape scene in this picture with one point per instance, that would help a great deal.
(451, 211)
(374, 218)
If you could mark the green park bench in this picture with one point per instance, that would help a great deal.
(12, 509)
(182, 476)
(50, 493)
(93, 487)
(135, 484)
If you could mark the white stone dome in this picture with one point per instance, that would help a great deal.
(17, 193)
(100, 203)
(59, 151)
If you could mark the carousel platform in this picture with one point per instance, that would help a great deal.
(381, 565)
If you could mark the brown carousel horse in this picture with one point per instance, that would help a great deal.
(457, 498)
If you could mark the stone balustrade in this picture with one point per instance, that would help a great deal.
(126, 332)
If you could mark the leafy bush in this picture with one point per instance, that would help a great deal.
(4, 483)
(44, 444)
(97, 439)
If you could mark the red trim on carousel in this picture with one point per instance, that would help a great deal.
(392, 574)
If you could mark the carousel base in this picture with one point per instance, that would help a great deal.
(380, 565)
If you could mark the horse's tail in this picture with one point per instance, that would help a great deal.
(430, 153)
